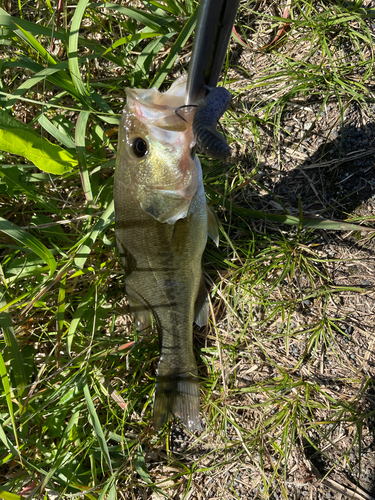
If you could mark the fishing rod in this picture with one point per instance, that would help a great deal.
(213, 30)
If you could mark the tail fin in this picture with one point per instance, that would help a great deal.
(177, 395)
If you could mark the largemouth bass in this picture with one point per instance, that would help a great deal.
(162, 222)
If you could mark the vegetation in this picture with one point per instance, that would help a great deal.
(287, 361)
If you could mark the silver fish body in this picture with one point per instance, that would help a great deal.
(162, 222)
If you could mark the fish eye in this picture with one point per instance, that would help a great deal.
(139, 147)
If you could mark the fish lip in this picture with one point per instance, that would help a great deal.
(144, 104)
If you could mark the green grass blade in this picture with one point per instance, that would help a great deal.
(61, 304)
(294, 221)
(54, 74)
(97, 427)
(73, 48)
(12, 176)
(29, 242)
(12, 23)
(101, 225)
(81, 309)
(147, 55)
(58, 134)
(103, 494)
(6, 385)
(38, 47)
(140, 465)
(80, 140)
(8, 444)
(65, 438)
(112, 495)
(14, 354)
(155, 23)
(171, 7)
(175, 50)
(131, 38)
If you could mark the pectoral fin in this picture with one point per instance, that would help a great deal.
(180, 235)
(212, 228)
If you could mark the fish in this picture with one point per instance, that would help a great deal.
(209, 111)
(161, 225)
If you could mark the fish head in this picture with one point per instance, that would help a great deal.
(154, 157)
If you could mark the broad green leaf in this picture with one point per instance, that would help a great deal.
(28, 241)
(97, 427)
(45, 155)
(5, 495)
(7, 121)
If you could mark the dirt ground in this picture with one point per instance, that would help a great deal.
(329, 163)
(333, 173)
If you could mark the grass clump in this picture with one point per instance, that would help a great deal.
(287, 364)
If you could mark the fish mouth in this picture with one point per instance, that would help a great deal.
(162, 109)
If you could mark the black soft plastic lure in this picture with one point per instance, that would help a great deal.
(209, 110)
